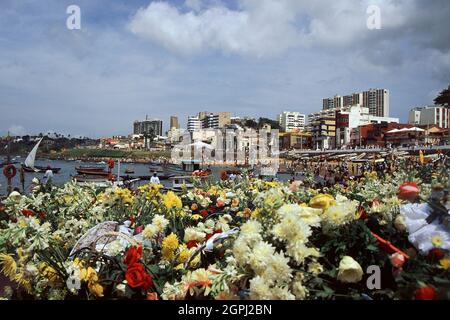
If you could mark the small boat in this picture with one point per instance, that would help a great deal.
(28, 165)
(93, 173)
(98, 182)
(90, 169)
(129, 171)
(41, 169)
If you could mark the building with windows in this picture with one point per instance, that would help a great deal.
(194, 123)
(376, 100)
(324, 132)
(208, 120)
(430, 115)
(174, 122)
(148, 127)
(291, 120)
(353, 117)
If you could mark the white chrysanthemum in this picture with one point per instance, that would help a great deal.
(191, 234)
(160, 222)
(260, 289)
(315, 268)
(291, 228)
(278, 269)
(299, 251)
(341, 213)
(282, 293)
(241, 251)
(261, 254)
(150, 231)
(310, 216)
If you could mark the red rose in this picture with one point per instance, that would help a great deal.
(132, 220)
(425, 293)
(28, 212)
(42, 215)
(204, 213)
(212, 209)
(133, 256)
(408, 191)
(435, 254)
(209, 235)
(191, 244)
(137, 277)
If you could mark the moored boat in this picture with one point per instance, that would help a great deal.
(28, 165)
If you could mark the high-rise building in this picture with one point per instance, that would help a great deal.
(194, 123)
(430, 115)
(376, 100)
(148, 127)
(174, 122)
(291, 120)
(208, 120)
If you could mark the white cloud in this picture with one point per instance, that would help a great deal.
(260, 29)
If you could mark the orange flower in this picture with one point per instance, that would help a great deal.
(194, 207)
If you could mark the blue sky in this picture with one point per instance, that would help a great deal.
(133, 58)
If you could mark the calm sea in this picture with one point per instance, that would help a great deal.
(68, 171)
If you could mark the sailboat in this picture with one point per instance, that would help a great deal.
(29, 166)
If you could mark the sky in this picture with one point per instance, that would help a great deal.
(133, 58)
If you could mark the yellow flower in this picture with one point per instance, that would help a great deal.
(322, 201)
(196, 217)
(96, 289)
(169, 245)
(256, 213)
(22, 223)
(444, 263)
(171, 200)
(437, 241)
(9, 265)
(234, 202)
(88, 275)
(184, 254)
(50, 273)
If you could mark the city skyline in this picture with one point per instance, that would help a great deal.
(123, 63)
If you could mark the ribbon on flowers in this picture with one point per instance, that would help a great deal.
(210, 243)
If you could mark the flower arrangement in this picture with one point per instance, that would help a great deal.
(249, 239)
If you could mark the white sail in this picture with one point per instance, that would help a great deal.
(29, 161)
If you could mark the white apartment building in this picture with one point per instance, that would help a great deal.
(353, 117)
(291, 120)
(377, 100)
(194, 123)
(430, 115)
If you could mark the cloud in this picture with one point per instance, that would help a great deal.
(261, 29)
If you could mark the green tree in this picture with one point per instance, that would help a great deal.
(444, 97)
